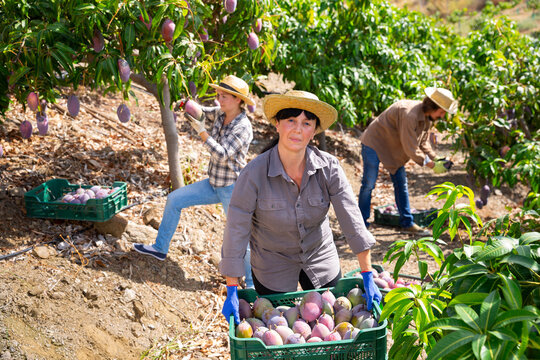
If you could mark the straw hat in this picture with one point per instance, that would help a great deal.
(297, 99)
(443, 98)
(235, 86)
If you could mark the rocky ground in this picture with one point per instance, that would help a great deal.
(80, 292)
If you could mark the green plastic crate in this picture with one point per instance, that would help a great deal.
(421, 217)
(369, 344)
(44, 202)
(356, 274)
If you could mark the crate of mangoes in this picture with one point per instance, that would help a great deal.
(389, 215)
(321, 324)
(59, 199)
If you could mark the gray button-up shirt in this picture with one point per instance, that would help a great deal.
(288, 229)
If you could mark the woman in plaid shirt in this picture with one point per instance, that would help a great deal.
(228, 142)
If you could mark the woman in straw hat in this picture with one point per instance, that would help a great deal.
(397, 135)
(280, 207)
(228, 142)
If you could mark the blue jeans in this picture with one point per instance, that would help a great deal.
(369, 178)
(199, 193)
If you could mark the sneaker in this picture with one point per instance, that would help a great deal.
(149, 250)
(417, 230)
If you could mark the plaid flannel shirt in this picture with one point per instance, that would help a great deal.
(228, 146)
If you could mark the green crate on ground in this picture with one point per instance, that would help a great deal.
(370, 344)
(44, 202)
(421, 217)
(356, 274)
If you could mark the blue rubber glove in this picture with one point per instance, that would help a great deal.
(371, 291)
(230, 306)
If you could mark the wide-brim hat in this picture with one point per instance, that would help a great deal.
(443, 98)
(235, 86)
(297, 99)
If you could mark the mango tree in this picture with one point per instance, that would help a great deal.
(172, 48)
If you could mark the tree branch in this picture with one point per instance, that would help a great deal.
(141, 80)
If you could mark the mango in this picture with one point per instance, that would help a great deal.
(333, 336)
(355, 296)
(283, 331)
(26, 129)
(73, 105)
(98, 42)
(320, 330)
(123, 70)
(295, 339)
(342, 328)
(255, 323)
(326, 320)
(342, 303)
(260, 304)
(258, 334)
(253, 41)
(244, 309)
(244, 330)
(301, 327)
(230, 6)
(167, 30)
(271, 338)
(123, 113)
(32, 101)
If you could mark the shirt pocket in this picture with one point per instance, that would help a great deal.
(276, 214)
(317, 209)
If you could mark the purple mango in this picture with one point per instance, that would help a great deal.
(230, 6)
(124, 70)
(73, 105)
(167, 30)
(253, 41)
(42, 123)
(123, 113)
(97, 41)
(26, 129)
(32, 101)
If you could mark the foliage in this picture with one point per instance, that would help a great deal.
(360, 56)
(483, 302)
(46, 45)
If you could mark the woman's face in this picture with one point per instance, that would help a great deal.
(295, 133)
(228, 102)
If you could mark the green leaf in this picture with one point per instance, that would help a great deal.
(393, 306)
(469, 316)
(495, 250)
(513, 316)
(447, 324)
(468, 270)
(529, 238)
(477, 346)
(489, 310)
(523, 261)
(505, 335)
(511, 292)
(129, 36)
(21, 71)
(423, 268)
(451, 342)
(468, 299)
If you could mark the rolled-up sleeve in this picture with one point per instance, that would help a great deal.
(347, 211)
(238, 228)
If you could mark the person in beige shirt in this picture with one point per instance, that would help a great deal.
(396, 136)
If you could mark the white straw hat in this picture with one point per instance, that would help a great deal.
(443, 98)
(235, 86)
(297, 99)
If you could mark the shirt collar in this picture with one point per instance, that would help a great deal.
(235, 120)
(314, 161)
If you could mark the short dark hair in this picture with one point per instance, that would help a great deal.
(294, 112)
(428, 105)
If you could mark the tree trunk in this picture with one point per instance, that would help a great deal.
(171, 138)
